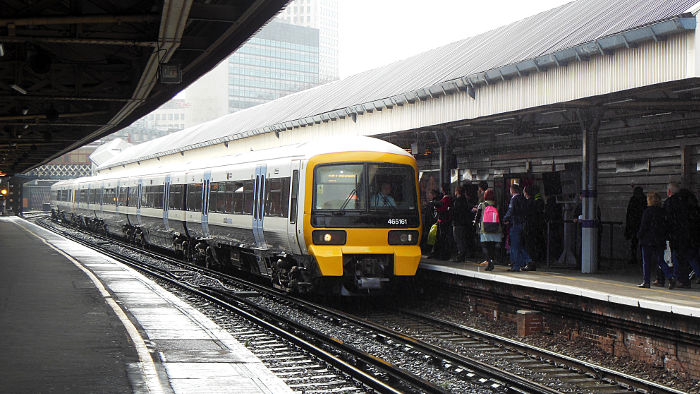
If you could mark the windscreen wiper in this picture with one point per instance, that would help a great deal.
(353, 192)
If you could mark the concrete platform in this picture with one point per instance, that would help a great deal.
(76, 321)
(618, 287)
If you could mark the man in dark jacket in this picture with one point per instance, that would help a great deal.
(652, 240)
(515, 217)
(535, 227)
(677, 211)
(635, 209)
(461, 221)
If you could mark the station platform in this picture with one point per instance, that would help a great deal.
(617, 287)
(72, 320)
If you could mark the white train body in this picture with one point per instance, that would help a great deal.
(262, 212)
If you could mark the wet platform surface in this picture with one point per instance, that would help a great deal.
(108, 329)
(615, 286)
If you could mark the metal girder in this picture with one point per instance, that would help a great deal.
(101, 59)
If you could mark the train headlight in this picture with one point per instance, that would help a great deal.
(329, 237)
(403, 237)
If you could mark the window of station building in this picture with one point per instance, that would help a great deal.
(176, 196)
(194, 197)
(277, 197)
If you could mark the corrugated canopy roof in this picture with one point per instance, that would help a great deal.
(575, 27)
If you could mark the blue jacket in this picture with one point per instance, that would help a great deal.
(517, 210)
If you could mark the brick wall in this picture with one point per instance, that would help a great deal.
(663, 340)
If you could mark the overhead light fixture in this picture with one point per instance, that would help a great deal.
(18, 89)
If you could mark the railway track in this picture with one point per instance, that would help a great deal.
(418, 353)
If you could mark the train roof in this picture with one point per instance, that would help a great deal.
(304, 150)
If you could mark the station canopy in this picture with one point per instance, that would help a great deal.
(573, 32)
(74, 71)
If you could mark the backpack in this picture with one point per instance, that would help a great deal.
(490, 221)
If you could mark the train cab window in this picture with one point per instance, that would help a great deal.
(176, 196)
(194, 197)
(339, 187)
(391, 186)
(277, 197)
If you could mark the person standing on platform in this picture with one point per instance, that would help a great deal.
(515, 217)
(490, 231)
(635, 209)
(461, 220)
(652, 239)
(677, 216)
(445, 222)
(535, 227)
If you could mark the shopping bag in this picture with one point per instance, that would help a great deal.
(667, 255)
(432, 235)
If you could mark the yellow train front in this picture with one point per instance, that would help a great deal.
(362, 221)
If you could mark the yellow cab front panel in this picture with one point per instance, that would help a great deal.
(357, 200)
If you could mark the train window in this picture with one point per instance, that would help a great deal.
(145, 203)
(225, 199)
(294, 197)
(235, 190)
(176, 196)
(194, 197)
(152, 197)
(83, 196)
(247, 206)
(133, 199)
(339, 186)
(92, 198)
(391, 186)
(157, 195)
(277, 197)
(214, 189)
(109, 196)
(123, 194)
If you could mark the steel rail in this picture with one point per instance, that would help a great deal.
(342, 365)
(598, 371)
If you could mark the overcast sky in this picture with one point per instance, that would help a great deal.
(374, 33)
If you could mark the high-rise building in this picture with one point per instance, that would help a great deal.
(321, 15)
(280, 59)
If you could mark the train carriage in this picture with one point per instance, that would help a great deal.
(337, 216)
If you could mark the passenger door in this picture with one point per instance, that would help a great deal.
(166, 202)
(259, 205)
(295, 230)
(206, 184)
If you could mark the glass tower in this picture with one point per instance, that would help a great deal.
(280, 59)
